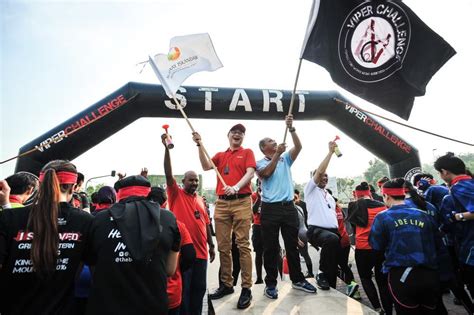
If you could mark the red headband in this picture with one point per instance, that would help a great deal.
(393, 191)
(63, 177)
(362, 193)
(137, 191)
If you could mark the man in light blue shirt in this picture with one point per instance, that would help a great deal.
(278, 211)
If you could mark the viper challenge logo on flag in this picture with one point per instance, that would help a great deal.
(379, 50)
(373, 41)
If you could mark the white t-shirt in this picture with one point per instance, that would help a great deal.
(321, 206)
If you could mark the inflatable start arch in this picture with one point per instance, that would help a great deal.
(135, 100)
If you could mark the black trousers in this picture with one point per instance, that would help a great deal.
(276, 217)
(346, 274)
(366, 260)
(415, 293)
(304, 253)
(257, 243)
(328, 241)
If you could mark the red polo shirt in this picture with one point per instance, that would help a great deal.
(256, 216)
(184, 206)
(344, 242)
(175, 284)
(232, 165)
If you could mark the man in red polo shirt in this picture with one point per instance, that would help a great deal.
(189, 208)
(233, 211)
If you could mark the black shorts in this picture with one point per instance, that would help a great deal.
(257, 239)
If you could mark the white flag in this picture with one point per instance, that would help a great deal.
(187, 55)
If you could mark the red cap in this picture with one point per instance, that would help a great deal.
(238, 127)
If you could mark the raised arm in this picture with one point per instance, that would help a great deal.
(4, 193)
(270, 168)
(296, 140)
(321, 170)
(205, 163)
(167, 163)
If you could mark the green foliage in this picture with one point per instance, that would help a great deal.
(345, 186)
(210, 195)
(468, 159)
(375, 171)
(92, 189)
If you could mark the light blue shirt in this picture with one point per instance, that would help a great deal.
(279, 186)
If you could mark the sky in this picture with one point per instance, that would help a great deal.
(59, 57)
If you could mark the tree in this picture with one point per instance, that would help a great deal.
(468, 159)
(345, 186)
(92, 189)
(376, 170)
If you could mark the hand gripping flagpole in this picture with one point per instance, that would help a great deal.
(293, 97)
(178, 105)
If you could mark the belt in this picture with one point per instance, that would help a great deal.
(233, 197)
(280, 203)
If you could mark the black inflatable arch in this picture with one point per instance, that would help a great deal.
(135, 100)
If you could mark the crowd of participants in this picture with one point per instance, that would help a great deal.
(138, 249)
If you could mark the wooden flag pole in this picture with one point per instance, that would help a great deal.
(293, 97)
(178, 105)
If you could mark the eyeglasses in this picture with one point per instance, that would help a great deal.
(237, 132)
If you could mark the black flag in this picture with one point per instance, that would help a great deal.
(378, 50)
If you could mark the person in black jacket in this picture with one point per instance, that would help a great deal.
(134, 246)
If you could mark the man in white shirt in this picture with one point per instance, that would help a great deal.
(322, 223)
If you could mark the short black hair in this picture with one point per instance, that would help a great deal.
(20, 182)
(363, 186)
(158, 195)
(80, 178)
(450, 163)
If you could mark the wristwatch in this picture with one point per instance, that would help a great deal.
(461, 217)
(292, 129)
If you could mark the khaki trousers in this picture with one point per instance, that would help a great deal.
(234, 216)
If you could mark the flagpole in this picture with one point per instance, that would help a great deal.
(293, 97)
(178, 105)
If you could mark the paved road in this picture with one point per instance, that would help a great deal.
(291, 301)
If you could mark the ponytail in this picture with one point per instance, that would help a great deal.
(419, 201)
(43, 221)
(43, 217)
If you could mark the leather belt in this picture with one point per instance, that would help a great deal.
(233, 197)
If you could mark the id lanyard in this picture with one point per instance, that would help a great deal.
(326, 199)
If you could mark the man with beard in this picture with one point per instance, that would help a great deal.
(322, 223)
(233, 212)
(189, 208)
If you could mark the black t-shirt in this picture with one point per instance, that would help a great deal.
(122, 285)
(21, 290)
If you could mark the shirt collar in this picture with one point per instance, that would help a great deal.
(460, 178)
(236, 150)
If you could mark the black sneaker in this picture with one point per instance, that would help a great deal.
(259, 281)
(221, 292)
(322, 282)
(244, 299)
